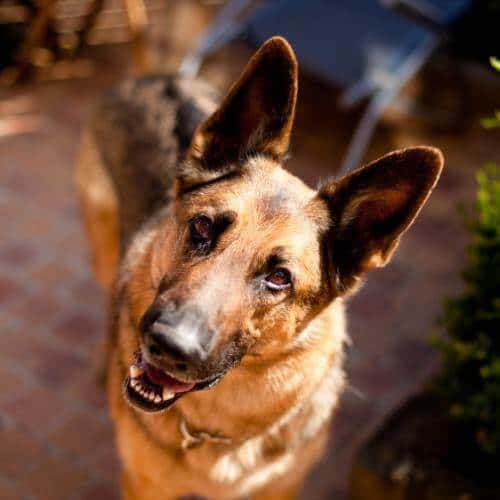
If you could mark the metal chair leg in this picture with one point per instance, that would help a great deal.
(381, 101)
(364, 131)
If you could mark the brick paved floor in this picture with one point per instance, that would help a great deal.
(55, 436)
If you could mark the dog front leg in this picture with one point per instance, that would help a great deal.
(128, 491)
(137, 488)
(288, 493)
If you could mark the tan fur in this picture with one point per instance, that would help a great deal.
(255, 406)
(100, 211)
(265, 424)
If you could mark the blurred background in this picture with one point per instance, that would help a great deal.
(375, 76)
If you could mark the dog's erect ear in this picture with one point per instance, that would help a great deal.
(371, 208)
(255, 117)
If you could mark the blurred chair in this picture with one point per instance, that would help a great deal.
(369, 48)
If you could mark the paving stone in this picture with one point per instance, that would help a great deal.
(8, 491)
(59, 368)
(9, 289)
(78, 327)
(17, 255)
(101, 491)
(87, 389)
(38, 308)
(11, 384)
(53, 276)
(55, 478)
(83, 435)
(104, 462)
(38, 411)
(20, 452)
(24, 346)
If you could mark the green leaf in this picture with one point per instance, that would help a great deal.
(491, 122)
(470, 377)
(495, 63)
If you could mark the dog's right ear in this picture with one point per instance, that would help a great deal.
(255, 117)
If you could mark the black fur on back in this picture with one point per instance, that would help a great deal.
(142, 130)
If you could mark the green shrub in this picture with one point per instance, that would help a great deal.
(470, 380)
(493, 121)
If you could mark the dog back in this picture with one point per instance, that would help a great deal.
(142, 130)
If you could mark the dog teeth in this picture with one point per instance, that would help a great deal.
(135, 371)
(152, 396)
(167, 394)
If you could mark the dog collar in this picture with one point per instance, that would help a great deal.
(190, 438)
(193, 439)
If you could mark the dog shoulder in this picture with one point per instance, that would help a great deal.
(145, 124)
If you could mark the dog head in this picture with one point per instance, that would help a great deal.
(248, 254)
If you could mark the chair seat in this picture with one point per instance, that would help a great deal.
(345, 41)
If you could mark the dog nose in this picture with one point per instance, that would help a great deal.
(160, 345)
(176, 342)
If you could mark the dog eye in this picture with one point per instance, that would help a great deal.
(201, 228)
(280, 279)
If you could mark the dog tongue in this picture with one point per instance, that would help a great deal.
(160, 378)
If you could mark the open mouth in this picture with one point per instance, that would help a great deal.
(152, 389)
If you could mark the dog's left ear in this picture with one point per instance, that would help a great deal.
(372, 207)
(255, 117)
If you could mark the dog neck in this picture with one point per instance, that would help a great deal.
(255, 399)
(252, 397)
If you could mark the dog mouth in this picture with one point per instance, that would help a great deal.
(151, 389)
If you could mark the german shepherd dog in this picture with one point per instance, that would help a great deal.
(227, 276)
